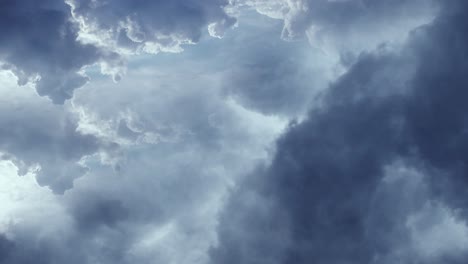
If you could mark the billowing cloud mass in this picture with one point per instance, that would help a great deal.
(346, 25)
(175, 134)
(38, 135)
(152, 26)
(272, 82)
(39, 40)
(288, 131)
(53, 40)
(375, 173)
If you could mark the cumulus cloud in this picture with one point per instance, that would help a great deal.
(151, 26)
(176, 162)
(269, 75)
(51, 42)
(322, 200)
(41, 41)
(182, 144)
(348, 25)
(38, 133)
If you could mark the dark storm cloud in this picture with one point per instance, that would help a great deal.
(321, 200)
(39, 39)
(437, 109)
(376, 174)
(322, 178)
(5, 248)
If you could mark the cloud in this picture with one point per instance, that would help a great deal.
(152, 26)
(348, 25)
(38, 133)
(156, 197)
(328, 196)
(269, 75)
(40, 40)
(51, 42)
(175, 163)
(162, 200)
(319, 183)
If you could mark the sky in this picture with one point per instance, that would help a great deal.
(233, 131)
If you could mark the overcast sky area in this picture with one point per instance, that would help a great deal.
(233, 131)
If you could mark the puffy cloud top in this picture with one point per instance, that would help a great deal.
(153, 26)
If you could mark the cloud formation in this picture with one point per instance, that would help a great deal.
(157, 199)
(152, 26)
(346, 25)
(40, 40)
(272, 76)
(177, 162)
(51, 42)
(34, 132)
(344, 185)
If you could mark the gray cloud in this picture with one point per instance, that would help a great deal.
(153, 26)
(157, 199)
(46, 42)
(163, 199)
(322, 200)
(270, 75)
(38, 133)
(375, 174)
(349, 25)
(41, 40)
(321, 181)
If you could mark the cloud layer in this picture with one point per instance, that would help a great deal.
(346, 25)
(344, 144)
